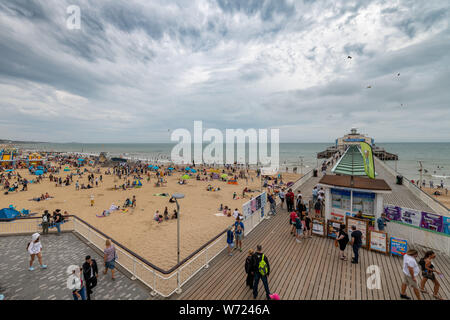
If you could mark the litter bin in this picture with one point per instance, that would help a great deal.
(399, 180)
(315, 172)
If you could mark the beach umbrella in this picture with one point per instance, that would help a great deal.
(224, 176)
(9, 170)
(66, 169)
(155, 167)
(171, 168)
(185, 177)
(39, 172)
(193, 170)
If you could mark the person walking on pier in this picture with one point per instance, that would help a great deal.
(410, 272)
(90, 273)
(34, 248)
(428, 273)
(356, 243)
(249, 269)
(261, 269)
(281, 194)
(272, 204)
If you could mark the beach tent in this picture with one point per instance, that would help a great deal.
(224, 176)
(171, 168)
(9, 170)
(185, 177)
(8, 213)
(39, 172)
(215, 175)
(187, 168)
(80, 160)
(150, 166)
(137, 183)
(193, 171)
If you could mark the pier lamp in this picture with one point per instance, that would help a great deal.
(177, 196)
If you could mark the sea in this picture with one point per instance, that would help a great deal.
(435, 157)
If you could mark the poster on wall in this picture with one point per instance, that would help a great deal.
(338, 216)
(393, 213)
(432, 222)
(333, 226)
(411, 217)
(446, 225)
(263, 199)
(364, 202)
(258, 202)
(398, 247)
(361, 225)
(253, 205)
(318, 227)
(378, 241)
(246, 209)
(340, 199)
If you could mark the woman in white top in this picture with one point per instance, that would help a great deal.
(34, 249)
(410, 272)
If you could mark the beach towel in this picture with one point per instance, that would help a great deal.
(220, 214)
(161, 194)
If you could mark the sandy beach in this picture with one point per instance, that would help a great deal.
(136, 228)
(442, 198)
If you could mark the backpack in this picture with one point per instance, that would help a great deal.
(28, 245)
(248, 263)
(262, 267)
(44, 218)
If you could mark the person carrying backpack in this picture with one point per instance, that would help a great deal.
(45, 222)
(249, 270)
(261, 269)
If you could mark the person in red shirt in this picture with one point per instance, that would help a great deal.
(290, 200)
(292, 218)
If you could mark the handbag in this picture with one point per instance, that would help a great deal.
(336, 243)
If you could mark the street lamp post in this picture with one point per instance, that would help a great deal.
(177, 196)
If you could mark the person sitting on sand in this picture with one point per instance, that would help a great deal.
(221, 207)
(127, 203)
(171, 200)
(47, 196)
(157, 217)
(175, 214)
(166, 214)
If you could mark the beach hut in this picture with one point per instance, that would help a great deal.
(185, 177)
(9, 213)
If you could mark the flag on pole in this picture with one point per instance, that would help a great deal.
(369, 164)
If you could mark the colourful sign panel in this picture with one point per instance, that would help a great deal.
(398, 246)
(432, 222)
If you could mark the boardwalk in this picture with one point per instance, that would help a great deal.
(17, 283)
(303, 271)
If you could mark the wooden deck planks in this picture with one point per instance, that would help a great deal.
(303, 271)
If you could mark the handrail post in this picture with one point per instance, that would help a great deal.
(206, 258)
(178, 291)
(153, 292)
(133, 276)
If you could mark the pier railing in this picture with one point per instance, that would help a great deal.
(160, 281)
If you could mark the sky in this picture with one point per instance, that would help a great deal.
(137, 70)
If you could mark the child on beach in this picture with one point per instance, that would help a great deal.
(92, 200)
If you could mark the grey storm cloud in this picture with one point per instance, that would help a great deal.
(138, 69)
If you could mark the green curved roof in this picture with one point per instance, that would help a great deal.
(351, 163)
